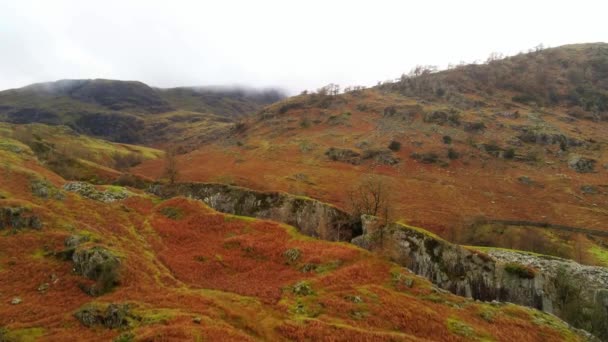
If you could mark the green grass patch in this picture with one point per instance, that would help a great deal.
(600, 254)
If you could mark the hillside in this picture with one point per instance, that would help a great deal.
(518, 139)
(131, 112)
(79, 262)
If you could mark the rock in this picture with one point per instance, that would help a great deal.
(97, 263)
(590, 190)
(197, 320)
(291, 255)
(18, 218)
(582, 164)
(500, 275)
(45, 189)
(43, 287)
(113, 317)
(343, 155)
(309, 216)
(74, 241)
(525, 180)
(16, 301)
(508, 115)
(302, 289)
(89, 191)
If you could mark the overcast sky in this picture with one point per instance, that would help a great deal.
(291, 44)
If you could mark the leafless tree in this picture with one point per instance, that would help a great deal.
(371, 197)
(171, 166)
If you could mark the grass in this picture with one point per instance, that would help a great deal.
(600, 254)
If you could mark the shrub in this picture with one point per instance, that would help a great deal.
(452, 154)
(305, 123)
(509, 153)
(394, 146)
(302, 289)
(125, 161)
(426, 158)
(447, 139)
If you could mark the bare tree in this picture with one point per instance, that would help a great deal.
(371, 197)
(171, 167)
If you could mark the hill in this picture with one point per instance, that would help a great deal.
(101, 263)
(131, 112)
(461, 152)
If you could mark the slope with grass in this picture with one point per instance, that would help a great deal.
(457, 148)
(177, 270)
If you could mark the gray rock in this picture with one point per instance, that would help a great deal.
(18, 218)
(582, 164)
(97, 263)
(74, 241)
(499, 275)
(16, 301)
(589, 190)
(89, 191)
(113, 317)
(309, 216)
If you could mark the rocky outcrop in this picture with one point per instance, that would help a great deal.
(18, 218)
(90, 191)
(311, 217)
(582, 164)
(114, 316)
(504, 276)
(99, 264)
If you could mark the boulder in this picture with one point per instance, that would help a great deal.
(18, 218)
(90, 191)
(582, 164)
(99, 264)
(113, 317)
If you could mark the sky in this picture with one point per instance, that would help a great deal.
(293, 45)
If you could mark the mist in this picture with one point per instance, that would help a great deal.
(273, 44)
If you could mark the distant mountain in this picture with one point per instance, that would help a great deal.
(127, 111)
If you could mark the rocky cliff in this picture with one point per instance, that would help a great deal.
(550, 284)
(311, 217)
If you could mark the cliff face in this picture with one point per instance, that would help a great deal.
(509, 276)
(311, 217)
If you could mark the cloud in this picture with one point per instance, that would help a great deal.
(295, 45)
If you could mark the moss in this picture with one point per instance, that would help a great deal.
(600, 254)
(328, 267)
(460, 328)
(21, 335)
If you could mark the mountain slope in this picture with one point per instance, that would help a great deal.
(128, 111)
(101, 263)
(456, 153)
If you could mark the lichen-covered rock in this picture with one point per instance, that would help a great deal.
(113, 317)
(506, 276)
(75, 240)
(582, 164)
(19, 218)
(99, 264)
(311, 217)
(90, 191)
(44, 189)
